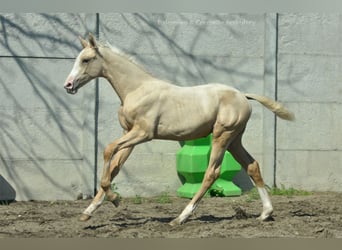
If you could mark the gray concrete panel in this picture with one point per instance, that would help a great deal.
(45, 34)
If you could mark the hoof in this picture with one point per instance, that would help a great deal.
(85, 217)
(114, 198)
(175, 222)
(116, 201)
(267, 218)
(266, 215)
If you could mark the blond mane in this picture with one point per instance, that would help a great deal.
(123, 54)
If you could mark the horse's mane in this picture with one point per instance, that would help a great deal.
(122, 54)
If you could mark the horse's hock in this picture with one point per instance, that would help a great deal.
(192, 161)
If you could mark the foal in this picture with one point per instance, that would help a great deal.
(154, 109)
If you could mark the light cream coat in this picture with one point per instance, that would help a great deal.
(155, 109)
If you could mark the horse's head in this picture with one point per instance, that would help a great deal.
(88, 65)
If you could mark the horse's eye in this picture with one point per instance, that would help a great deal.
(85, 61)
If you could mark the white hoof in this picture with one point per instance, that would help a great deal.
(266, 214)
(84, 217)
(183, 216)
(176, 222)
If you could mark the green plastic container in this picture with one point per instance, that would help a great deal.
(191, 163)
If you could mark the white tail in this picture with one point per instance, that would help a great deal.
(276, 107)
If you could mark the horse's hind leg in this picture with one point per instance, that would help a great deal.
(252, 168)
(219, 147)
(115, 166)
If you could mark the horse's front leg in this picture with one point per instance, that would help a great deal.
(114, 168)
(113, 160)
(126, 142)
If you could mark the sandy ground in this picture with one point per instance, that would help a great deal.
(314, 216)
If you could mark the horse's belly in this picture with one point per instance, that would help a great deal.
(188, 128)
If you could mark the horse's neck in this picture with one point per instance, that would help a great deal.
(124, 75)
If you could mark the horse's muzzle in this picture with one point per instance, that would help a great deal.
(69, 86)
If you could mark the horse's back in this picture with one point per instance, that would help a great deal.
(191, 112)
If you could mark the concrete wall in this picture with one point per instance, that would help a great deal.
(52, 143)
(46, 137)
(309, 82)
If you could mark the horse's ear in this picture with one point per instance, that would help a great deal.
(83, 42)
(92, 41)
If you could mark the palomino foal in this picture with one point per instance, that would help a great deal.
(154, 109)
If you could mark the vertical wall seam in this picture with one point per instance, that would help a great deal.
(276, 98)
(269, 89)
(96, 113)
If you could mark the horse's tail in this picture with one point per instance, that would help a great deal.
(276, 107)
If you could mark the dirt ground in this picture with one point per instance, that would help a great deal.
(317, 215)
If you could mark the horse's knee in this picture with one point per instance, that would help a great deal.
(108, 152)
(253, 171)
(105, 184)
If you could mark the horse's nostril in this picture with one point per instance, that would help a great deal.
(68, 85)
